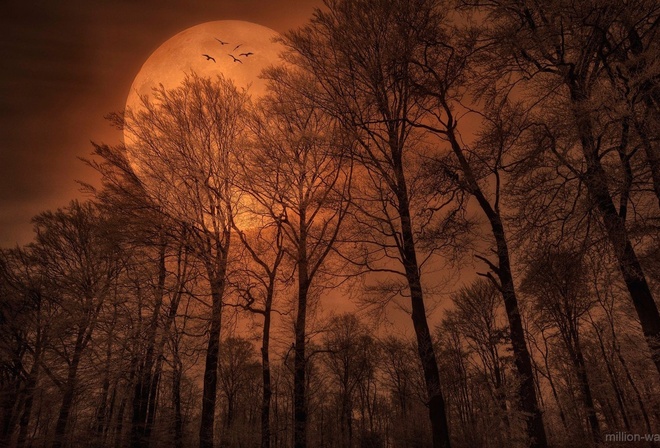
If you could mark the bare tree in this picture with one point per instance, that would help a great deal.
(557, 280)
(478, 316)
(238, 366)
(552, 53)
(359, 54)
(299, 172)
(80, 260)
(257, 285)
(259, 227)
(24, 330)
(349, 352)
(182, 146)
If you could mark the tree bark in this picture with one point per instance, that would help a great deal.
(436, 402)
(300, 360)
(209, 394)
(267, 391)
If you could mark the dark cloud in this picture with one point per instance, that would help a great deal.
(68, 64)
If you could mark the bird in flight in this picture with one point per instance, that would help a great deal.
(246, 54)
(236, 47)
(208, 58)
(221, 42)
(235, 58)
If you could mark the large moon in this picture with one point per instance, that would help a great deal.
(241, 50)
(237, 50)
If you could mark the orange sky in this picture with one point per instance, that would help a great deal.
(65, 65)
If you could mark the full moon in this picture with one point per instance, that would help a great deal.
(236, 49)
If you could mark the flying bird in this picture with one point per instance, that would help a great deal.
(235, 58)
(221, 42)
(236, 47)
(246, 54)
(209, 58)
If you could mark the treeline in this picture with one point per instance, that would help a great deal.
(513, 143)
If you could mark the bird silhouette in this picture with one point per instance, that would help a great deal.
(235, 58)
(221, 42)
(209, 58)
(246, 54)
(236, 47)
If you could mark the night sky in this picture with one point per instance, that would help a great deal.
(65, 65)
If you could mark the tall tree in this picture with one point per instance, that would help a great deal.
(299, 171)
(359, 54)
(24, 330)
(181, 146)
(258, 282)
(349, 352)
(80, 259)
(553, 53)
(557, 281)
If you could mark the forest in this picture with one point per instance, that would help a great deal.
(438, 228)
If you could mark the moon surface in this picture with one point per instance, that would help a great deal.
(184, 53)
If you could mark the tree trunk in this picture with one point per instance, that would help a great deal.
(153, 399)
(583, 380)
(638, 395)
(618, 394)
(522, 360)
(265, 365)
(102, 410)
(345, 419)
(595, 180)
(176, 402)
(562, 415)
(140, 430)
(436, 402)
(30, 386)
(67, 399)
(119, 428)
(300, 362)
(209, 394)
